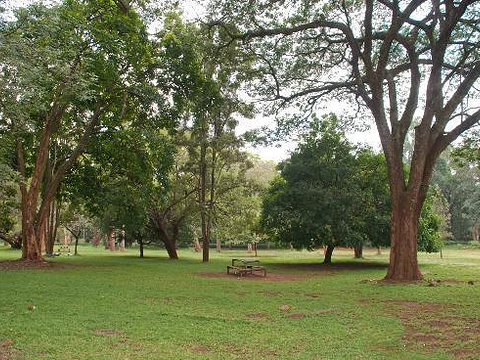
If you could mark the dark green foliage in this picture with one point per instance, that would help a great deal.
(315, 201)
(429, 227)
(458, 179)
(329, 193)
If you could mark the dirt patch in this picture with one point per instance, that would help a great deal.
(9, 353)
(109, 333)
(313, 296)
(323, 311)
(6, 343)
(296, 315)
(198, 349)
(270, 276)
(13, 265)
(256, 316)
(433, 326)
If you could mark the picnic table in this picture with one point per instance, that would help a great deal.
(243, 267)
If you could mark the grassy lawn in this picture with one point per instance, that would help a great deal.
(103, 305)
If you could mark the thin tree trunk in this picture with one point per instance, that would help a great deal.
(51, 229)
(475, 231)
(203, 204)
(140, 243)
(196, 245)
(111, 240)
(122, 240)
(76, 244)
(358, 250)
(171, 249)
(168, 240)
(328, 254)
(218, 244)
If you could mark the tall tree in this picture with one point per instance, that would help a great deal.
(316, 201)
(66, 70)
(395, 59)
(210, 104)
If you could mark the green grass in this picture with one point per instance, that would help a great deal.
(104, 305)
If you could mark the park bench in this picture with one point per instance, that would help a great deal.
(242, 267)
(64, 248)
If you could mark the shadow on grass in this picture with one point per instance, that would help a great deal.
(337, 266)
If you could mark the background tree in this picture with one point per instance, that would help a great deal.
(9, 204)
(331, 194)
(315, 202)
(372, 178)
(210, 103)
(458, 181)
(394, 59)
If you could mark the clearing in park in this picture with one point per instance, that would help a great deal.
(118, 306)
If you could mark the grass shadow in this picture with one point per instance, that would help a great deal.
(337, 266)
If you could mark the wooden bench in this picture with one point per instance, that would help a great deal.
(245, 267)
(239, 270)
(64, 248)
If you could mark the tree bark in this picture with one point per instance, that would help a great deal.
(203, 204)
(14, 241)
(111, 240)
(403, 237)
(34, 221)
(475, 231)
(171, 249)
(358, 250)
(196, 245)
(328, 254)
(76, 244)
(140, 243)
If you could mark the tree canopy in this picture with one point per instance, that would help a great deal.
(394, 60)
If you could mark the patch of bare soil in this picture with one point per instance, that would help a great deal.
(13, 265)
(109, 333)
(256, 316)
(296, 315)
(253, 277)
(198, 349)
(313, 296)
(7, 352)
(434, 326)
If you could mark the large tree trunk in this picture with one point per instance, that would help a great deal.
(328, 254)
(403, 237)
(30, 243)
(34, 219)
